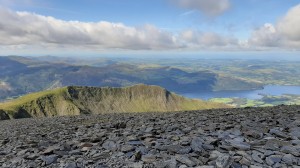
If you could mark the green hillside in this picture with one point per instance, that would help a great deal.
(75, 100)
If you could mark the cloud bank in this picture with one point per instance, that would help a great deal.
(33, 32)
(283, 34)
(28, 28)
(24, 28)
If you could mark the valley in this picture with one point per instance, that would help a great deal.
(23, 75)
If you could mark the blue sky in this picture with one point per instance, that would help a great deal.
(102, 26)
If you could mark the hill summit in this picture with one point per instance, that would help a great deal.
(76, 100)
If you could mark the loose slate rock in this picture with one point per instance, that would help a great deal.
(236, 138)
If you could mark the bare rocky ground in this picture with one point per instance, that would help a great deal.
(250, 137)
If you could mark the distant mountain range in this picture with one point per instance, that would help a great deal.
(23, 75)
(74, 100)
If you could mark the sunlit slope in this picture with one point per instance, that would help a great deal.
(75, 100)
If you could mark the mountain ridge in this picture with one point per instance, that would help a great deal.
(76, 100)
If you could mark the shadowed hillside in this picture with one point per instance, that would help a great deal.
(75, 100)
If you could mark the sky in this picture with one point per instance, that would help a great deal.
(91, 27)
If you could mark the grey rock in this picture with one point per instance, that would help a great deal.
(22, 152)
(278, 133)
(49, 159)
(295, 132)
(75, 152)
(215, 137)
(288, 159)
(240, 145)
(51, 149)
(127, 148)
(214, 155)
(257, 157)
(172, 163)
(185, 160)
(137, 165)
(223, 161)
(271, 160)
(149, 129)
(71, 165)
(176, 149)
(149, 158)
(290, 150)
(110, 145)
(196, 144)
(135, 142)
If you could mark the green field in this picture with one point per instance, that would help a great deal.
(263, 102)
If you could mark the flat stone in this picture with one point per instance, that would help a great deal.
(290, 150)
(75, 152)
(32, 156)
(137, 165)
(288, 159)
(135, 143)
(257, 157)
(127, 148)
(295, 132)
(50, 150)
(149, 129)
(176, 149)
(271, 160)
(275, 144)
(278, 133)
(149, 158)
(214, 155)
(240, 145)
(22, 152)
(172, 163)
(86, 145)
(49, 159)
(254, 134)
(223, 161)
(196, 144)
(185, 160)
(71, 165)
(110, 145)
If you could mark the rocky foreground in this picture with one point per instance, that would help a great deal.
(250, 137)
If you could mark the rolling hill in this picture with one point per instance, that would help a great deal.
(75, 100)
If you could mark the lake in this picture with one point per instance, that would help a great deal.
(249, 94)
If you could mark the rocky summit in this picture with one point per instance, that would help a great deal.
(222, 138)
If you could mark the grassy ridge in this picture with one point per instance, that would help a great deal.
(21, 101)
(74, 100)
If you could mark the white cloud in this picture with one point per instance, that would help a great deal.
(265, 36)
(208, 7)
(26, 30)
(19, 28)
(284, 34)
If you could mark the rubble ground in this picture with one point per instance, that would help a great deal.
(222, 138)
